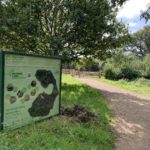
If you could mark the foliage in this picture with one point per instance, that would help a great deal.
(129, 73)
(145, 67)
(140, 43)
(122, 66)
(61, 133)
(146, 14)
(126, 66)
(70, 28)
(123, 73)
(113, 74)
(87, 64)
(146, 74)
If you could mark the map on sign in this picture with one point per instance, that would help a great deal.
(31, 89)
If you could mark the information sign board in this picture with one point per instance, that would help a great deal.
(30, 88)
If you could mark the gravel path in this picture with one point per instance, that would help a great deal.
(132, 115)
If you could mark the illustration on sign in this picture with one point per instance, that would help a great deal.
(44, 102)
(31, 89)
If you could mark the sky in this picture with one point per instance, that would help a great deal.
(130, 14)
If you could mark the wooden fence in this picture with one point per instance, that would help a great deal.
(74, 72)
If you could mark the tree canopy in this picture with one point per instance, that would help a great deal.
(146, 14)
(70, 28)
(140, 43)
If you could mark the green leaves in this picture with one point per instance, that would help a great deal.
(140, 43)
(69, 28)
(146, 14)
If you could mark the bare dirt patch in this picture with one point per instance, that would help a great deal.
(79, 113)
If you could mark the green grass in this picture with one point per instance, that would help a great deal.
(140, 86)
(62, 133)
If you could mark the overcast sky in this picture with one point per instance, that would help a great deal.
(130, 14)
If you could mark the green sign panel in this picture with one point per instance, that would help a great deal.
(30, 89)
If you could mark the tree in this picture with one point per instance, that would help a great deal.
(70, 28)
(19, 28)
(140, 43)
(146, 14)
(87, 64)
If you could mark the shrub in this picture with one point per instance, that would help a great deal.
(146, 67)
(125, 66)
(129, 73)
(124, 73)
(109, 74)
(146, 74)
(113, 73)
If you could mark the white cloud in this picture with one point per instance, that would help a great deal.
(132, 24)
(133, 8)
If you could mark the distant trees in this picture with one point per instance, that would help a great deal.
(140, 42)
(71, 28)
(88, 64)
(127, 66)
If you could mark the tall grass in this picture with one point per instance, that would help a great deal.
(140, 86)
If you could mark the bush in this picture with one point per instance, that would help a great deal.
(113, 74)
(146, 74)
(130, 67)
(119, 66)
(146, 67)
(129, 73)
(109, 74)
(123, 73)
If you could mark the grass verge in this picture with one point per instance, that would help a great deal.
(62, 133)
(140, 86)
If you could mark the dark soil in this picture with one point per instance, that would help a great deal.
(79, 113)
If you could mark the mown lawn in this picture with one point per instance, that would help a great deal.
(62, 133)
(140, 86)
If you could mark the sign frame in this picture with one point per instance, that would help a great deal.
(2, 81)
